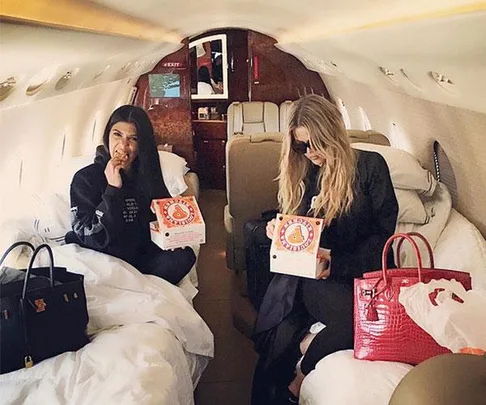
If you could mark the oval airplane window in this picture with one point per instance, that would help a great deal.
(365, 121)
(344, 112)
(6, 87)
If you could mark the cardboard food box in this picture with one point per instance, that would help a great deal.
(295, 246)
(179, 223)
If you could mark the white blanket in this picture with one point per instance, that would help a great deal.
(145, 335)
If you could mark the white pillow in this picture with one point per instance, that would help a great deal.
(462, 247)
(173, 170)
(38, 217)
(52, 219)
(405, 170)
(63, 173)
(410, 207)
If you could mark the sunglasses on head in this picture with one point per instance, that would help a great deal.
(300, 147)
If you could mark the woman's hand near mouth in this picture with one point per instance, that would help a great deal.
(113, 167)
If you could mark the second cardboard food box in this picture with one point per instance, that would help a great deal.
(179, 223)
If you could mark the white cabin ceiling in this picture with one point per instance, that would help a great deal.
(358, 36)
(285, 20)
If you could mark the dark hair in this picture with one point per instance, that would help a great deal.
(147, 162)
(203, 75)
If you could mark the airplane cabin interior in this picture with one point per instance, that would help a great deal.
(219, 82)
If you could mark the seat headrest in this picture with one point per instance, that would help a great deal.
(266, 137)
(370, 136)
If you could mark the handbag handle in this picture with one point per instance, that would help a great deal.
(387, 247)
(427, 245)
(31, 263)
(13, 246)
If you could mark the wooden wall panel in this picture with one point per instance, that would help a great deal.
(279, 76)
(171, 118)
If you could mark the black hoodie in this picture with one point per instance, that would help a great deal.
(109, 219)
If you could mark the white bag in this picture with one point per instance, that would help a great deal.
(452, 324)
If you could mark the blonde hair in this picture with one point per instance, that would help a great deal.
(328, 139)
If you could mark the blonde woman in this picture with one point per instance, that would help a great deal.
(321, 176)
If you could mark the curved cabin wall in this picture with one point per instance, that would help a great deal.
(414, 125)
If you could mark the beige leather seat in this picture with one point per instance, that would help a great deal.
(252, 117)
(369, 136)
(251, 168)
(355, 135)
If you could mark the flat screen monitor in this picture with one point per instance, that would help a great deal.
(165, 85)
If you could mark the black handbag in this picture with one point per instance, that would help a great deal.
(42, 313)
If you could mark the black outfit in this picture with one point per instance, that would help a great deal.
(292, 304)
(115, 221)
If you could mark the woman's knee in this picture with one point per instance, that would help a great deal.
(186, 257)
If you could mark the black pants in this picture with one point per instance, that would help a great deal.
(327, 301)
(171, 265)
(331, 303)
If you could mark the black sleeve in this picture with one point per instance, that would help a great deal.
(384, 210)
(96, 217)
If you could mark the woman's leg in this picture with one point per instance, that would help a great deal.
(276, 364)
(331, 303)
(171, 265)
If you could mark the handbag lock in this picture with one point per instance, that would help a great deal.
(368, 293)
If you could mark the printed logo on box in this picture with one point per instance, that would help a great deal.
(296, 234)
(179, 222)
(295, 245)
(179, 212)
(176, 212)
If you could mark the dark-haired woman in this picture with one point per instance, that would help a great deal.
(110, 199)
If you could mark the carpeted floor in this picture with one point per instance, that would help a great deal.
(227, 380)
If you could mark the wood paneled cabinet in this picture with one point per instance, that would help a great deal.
(210, 140)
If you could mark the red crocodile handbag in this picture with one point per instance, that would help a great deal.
(382, 328)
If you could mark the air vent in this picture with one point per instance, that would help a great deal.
(65, 78)
(101, 72)
(443, 81)
(390, 75)
(6, 87)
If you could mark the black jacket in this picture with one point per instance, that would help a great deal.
(109, 219)
(356, 239)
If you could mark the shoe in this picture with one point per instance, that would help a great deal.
(292, 398)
